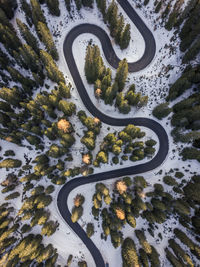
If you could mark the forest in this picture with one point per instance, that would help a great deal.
(49, 138)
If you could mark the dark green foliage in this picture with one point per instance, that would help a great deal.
(101, 4)
(94, 66)
(8, 7)
(46, 37)
(12, 196)
(68, 108)
(161, 111)
(189, 76)
(52, 70)
(9, 38)
(169, 180)
(37, 13)
(158, 7)
(192, 52)
(180, 253)
(191, 28)
(172, 259)
(190, 153)
(90, 229)
(27, 10)
(53, 6)
(121, 74)
(125, 37)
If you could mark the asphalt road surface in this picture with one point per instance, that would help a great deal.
(113, 60)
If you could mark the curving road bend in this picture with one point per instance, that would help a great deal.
(113, 60)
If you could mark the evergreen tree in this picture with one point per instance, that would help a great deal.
(46, 37)
(125, 37)
(101, 4)
(111, 93)
(68, 5)
(27, 35)
(77, 212)
(112, 18)
(4, 20)
(90, 229)
(121, 75)
(9, 38)
(120, 26)
(27, 10)
(8, 7)
(78, 4)
(53, 72)
(53, 6)
(94, 66)
(129, 254)
(68, 108)
(64, 90)
(37, 13)
(30, 58)
(49, 228)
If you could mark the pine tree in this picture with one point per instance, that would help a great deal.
(112, 18)
(37, 13)
(46, 37)
(78, 4)
(101, 4)
(53, 72)
(129, 255)
(11, 95)
(77, 212)
(53, 6)
(120, 26)
(90, 229)
(125, 37)
(64, 90)
(30, 58)
(68, 5)
(27, 35)
(121, 75)
(4, 20)
(27, 10)
(49, 228)
(8, 7)
(9, 38)
(94, 66)
(68, 108)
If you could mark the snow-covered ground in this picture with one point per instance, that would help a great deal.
(152, 81)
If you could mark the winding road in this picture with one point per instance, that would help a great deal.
(113, 60)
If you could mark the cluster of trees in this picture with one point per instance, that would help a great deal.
(34, 209)
(186, 112)
(123, 207)
(146, 254)
(122, 142)
(77, 210)
(175, 16)
(108, 90)
(93, 129)
(26, 250)
(118, 30)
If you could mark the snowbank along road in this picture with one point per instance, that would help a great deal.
(113, 60)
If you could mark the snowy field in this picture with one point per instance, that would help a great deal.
(153, 81)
